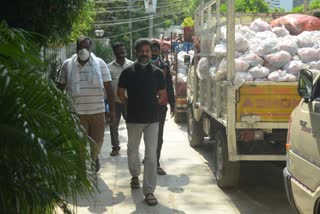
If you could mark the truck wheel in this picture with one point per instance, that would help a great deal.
(179, 117)
(195, 132)
(227, 172)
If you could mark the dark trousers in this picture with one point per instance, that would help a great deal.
(120, 109)
(162, 118)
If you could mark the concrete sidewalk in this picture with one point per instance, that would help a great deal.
(188, 187)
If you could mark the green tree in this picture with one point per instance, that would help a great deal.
(248, 6)
(315, 4)
(43, 150)
(53, 20)
(114, 19)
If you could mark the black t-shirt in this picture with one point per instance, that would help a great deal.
(142, 86)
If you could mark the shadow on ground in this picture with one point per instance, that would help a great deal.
(261, 188)
(102, 199)
(142, 207)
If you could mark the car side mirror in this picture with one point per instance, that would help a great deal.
(305, 85)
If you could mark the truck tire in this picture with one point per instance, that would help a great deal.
(195, 132)
(227, 172)
(179, 117)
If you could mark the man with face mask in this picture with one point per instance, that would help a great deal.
(116, 67)
(145, 87)
(85, 77)
(169, 98)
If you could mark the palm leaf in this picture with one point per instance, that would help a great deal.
(43, 150)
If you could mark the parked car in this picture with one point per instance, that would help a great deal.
(302, 173)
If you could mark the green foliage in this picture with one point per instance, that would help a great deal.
(278, 10)
(188, 22)
(42, 148)
(298, 9)
(102, 50)
(248, 6)
(315, 4)
(83, 24)
(251, 6)
(55, 20)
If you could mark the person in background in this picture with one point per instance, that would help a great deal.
(169, 98)
(145, 88)
(116, 66)
(85, 77)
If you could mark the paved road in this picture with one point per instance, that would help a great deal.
(189, 186)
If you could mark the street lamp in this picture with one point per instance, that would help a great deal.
(99, 33)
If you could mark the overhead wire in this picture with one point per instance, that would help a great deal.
(133, 8)
(134, 31)
(139, 19)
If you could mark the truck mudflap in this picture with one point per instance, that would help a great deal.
(272, 102)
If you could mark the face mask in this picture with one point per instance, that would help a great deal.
(84, 54)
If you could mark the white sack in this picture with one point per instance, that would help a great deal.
(220, 50)
(314, 65)
(258, 25)
(266, 46)
(181, 78)
(222, 70)
(203, 68)
(308, 54)
(289, 44)
(278, 59)
(253, 59)
(240, 65)
(294, 67)
(259, 72)
(305, 39)
(278, 76)
(240, 78)
(241, 43)
(280, 31)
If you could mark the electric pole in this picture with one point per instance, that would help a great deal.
(150, 6)
(130, 27)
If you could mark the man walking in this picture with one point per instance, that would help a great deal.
(169, 98)
(85, 77)
(145, 87)
(116, 67)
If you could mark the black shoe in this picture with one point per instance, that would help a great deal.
(161, 171)
(97, 165)
(115, 151)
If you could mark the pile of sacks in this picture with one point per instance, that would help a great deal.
(182, 69)
(263, 53)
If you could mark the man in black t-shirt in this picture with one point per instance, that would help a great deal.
(145, 88)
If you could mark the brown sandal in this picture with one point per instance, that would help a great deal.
(150, 199)
(135, 183)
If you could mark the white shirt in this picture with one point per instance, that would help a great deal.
(115, 70)
(91, 98)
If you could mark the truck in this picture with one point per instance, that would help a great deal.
(246, 123)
